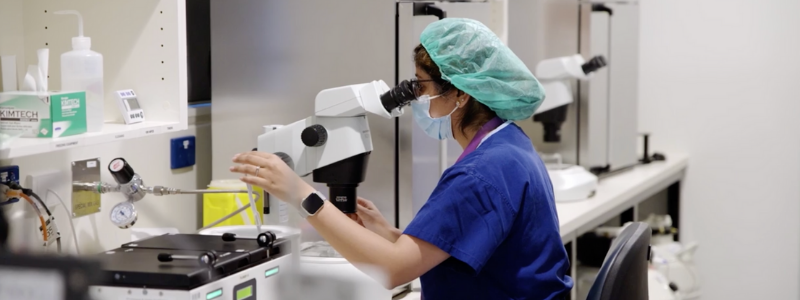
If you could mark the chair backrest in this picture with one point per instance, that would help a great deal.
(623, 275)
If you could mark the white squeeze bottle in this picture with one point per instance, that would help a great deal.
(82, 70)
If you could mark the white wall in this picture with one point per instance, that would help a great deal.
(719, 81)
(11, 25)
(150, 158)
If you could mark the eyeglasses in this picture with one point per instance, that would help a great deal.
(417, 86)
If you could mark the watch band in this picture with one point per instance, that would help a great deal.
(315, 201)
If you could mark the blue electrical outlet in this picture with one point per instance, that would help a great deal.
(9, 174)
(182, 152)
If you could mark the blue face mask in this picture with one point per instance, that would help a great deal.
(437, 128)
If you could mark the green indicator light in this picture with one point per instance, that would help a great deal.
(271, 272)
(244, 293)
(214, 294)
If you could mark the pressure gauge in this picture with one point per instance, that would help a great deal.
(123, 215)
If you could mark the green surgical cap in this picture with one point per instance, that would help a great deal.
(474, 60)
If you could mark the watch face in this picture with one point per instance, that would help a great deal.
(313, 203)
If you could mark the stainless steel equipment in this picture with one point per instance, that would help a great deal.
(600, 129)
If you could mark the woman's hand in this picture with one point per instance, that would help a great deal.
(370, 217)
(269, 172)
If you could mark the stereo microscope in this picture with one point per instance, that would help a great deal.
(334, 144)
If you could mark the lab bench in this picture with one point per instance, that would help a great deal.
(621, 192)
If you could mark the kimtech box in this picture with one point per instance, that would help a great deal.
(43, 114)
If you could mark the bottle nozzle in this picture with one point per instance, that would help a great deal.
(76, 13)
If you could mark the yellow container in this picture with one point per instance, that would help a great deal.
(216, 206)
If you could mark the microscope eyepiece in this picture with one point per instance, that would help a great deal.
(398, 96)
(594, 64)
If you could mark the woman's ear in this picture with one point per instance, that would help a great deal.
(464, 99)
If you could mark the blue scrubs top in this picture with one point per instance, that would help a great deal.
(494, 212)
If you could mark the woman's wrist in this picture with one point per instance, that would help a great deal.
(390, 232)
(304, 191)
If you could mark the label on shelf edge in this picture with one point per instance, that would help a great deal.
(58, 145)
(151, 130)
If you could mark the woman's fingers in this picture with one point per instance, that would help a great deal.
(247, 170)
(254, 158)
(364, 213)
(365, 203)
(258, 181)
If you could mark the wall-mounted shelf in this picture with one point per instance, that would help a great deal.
(143, 43)
(112, 132)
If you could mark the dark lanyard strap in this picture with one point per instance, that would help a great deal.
(476, 141)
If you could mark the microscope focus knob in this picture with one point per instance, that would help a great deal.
(314, 135)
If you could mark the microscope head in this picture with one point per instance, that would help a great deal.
(358, 99)
(555, 75)
(568, 67)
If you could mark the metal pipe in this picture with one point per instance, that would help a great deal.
(102, 188)
(97, 187)
(209, 192)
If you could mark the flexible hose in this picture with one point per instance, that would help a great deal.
(39, 213)
(256, 214)
(230, 215)
(35, 196)
(71, 224)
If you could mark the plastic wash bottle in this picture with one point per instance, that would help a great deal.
(82, 70)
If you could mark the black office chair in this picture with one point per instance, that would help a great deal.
(623, 275)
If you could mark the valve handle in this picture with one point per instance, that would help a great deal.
(121, 170)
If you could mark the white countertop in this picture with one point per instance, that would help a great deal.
(617, 193)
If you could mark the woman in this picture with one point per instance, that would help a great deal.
(489, 230)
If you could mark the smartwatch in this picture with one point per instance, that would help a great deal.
(312, 204)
